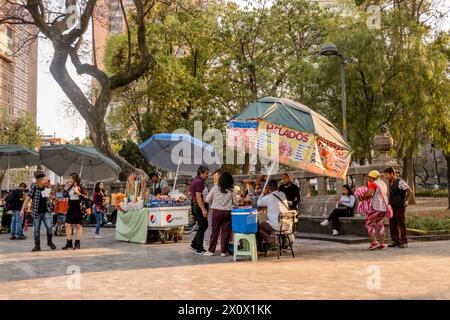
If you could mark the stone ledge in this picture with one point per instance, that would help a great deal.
(353, 226)
(347, 239)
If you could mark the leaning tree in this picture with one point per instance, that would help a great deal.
(54, 20)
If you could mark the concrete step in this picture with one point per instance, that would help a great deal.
(347, 239)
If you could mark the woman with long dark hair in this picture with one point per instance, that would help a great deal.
(76, 193)
(99, 207)
(344, 208)
(221, 199)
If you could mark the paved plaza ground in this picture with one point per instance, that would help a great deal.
(320, 270)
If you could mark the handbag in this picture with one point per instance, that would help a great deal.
(389, 211)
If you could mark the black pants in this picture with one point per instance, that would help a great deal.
(335, 215)
(202, 223)
(397, 226)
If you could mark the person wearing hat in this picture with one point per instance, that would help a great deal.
(399, 194)
(377, 191)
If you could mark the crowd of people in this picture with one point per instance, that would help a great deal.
(373, 201)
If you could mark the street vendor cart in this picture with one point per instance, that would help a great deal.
(162, 218)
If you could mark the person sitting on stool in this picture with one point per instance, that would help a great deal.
(344, 208)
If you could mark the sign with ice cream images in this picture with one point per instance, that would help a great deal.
(304, 151)
(297, 149)
(291, 134)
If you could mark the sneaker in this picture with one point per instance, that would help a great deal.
(108, 224)
(335, 232)
(192, 249)
(224, 254)
(36, 248)
(208, 253)
(324, 223)
(373, 246)
(21, 238)
(393, 245)
(97, 236)
(12, 238)
(199, 252)
(403, 245)
(382, 246)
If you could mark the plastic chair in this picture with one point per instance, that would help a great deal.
(287, 223)
(249, 246)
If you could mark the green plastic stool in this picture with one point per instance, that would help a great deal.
(249, 246)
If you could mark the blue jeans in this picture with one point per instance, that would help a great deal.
(99, 219)
(45, 218)
(16, 224)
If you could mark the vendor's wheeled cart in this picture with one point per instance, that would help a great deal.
(167, 223)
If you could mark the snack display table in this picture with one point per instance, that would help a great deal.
(134, 226)
(131, 226)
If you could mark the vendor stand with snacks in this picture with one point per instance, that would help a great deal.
(161, 217)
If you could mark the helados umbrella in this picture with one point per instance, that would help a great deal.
(92, 165)
(15, 156)
(302, 138)
(180, 153)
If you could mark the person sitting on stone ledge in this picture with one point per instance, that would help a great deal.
(344, 208)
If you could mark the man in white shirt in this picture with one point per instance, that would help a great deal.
(275, 201)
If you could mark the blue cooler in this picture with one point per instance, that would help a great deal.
(244, 220)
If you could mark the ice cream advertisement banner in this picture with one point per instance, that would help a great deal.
(334, 159)
(297, 149)
(242, 135)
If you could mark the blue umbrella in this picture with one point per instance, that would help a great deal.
(180, 153)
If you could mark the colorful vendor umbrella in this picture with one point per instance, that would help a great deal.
(15, 156)
(180, 153)
(306, 140)
(92, 165)
(294, 115)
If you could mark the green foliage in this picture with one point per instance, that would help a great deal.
(21, 131)
(130, 152)
(235, 55)
(432, 193)
(428, 223)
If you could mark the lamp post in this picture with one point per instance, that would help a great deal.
(331, 50)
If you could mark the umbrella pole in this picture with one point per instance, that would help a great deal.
(268, 176)
(9, 165)
(176, 175)
(82, 163)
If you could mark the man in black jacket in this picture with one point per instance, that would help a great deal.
(14, 202)
(399, 194)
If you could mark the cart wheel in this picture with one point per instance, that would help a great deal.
(162, 237)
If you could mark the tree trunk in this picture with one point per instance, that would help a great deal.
(99, 138)
(408, 176)
(2, 176)
(447, 158)
(436, 168)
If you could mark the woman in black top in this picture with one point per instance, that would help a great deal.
(76, 193)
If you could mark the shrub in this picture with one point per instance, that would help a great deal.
(432, 193)
(428, 223)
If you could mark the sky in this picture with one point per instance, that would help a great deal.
(52, 115)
